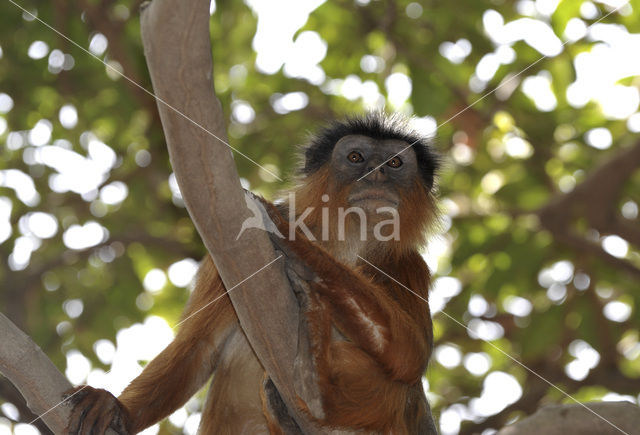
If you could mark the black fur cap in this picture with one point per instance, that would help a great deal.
(376, 125)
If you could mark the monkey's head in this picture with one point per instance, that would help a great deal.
(374, 162)
(376, 138)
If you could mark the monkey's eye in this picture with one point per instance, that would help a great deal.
(395, 162)
(355, 157)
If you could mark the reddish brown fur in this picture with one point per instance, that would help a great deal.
(364, 385)
(369, 380)
(177, 373)
(417, 211)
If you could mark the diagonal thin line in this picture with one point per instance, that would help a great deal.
(487, 94)
(474, 335)
(188, 119)
(145, 90)
(227, 292)
(392, 157)
(174, 327)
(277, 177)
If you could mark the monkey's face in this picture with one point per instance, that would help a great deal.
(385, 168)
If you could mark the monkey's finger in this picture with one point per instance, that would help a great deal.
(75, 420)
(102, 424)
(118, 425)
(92, 418)
(87, 419)
(106, 419)
(118, 418)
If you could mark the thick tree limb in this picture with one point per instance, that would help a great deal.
(98, 17)
(175, 34)
(614, 418)
(34, 375)
(9, 393)
(528, 403)
(595, 200)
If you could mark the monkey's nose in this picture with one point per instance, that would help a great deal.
(377, 168)
(376, 173)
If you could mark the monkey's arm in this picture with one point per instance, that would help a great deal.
(366, 312)
(370, 317)
(172, 377)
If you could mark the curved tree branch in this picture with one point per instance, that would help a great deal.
(9, 393)
(177, 47)
(602, 418)
(594, 199)
(34, 375)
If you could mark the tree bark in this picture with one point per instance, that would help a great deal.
(176, 40)
(175, 35)
(595, 199)
(34, 375)
(613, 418)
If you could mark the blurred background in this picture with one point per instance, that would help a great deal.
(537, 257)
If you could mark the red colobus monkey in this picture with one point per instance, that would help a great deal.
(371, 338)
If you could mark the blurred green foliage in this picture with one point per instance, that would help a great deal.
(565, 307)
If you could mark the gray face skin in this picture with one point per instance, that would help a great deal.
(355, 155)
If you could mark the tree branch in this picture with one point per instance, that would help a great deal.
(594, 199)
(602, 418)
(595, 196)
(581, 244)
(10, 393)
(528, 403)
(175, 36)
(33, 374)
(98, 17)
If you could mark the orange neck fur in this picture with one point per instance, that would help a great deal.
(326, 215)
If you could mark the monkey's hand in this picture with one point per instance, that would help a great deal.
(94, 411)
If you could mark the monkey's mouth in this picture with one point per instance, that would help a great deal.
(377, 197)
